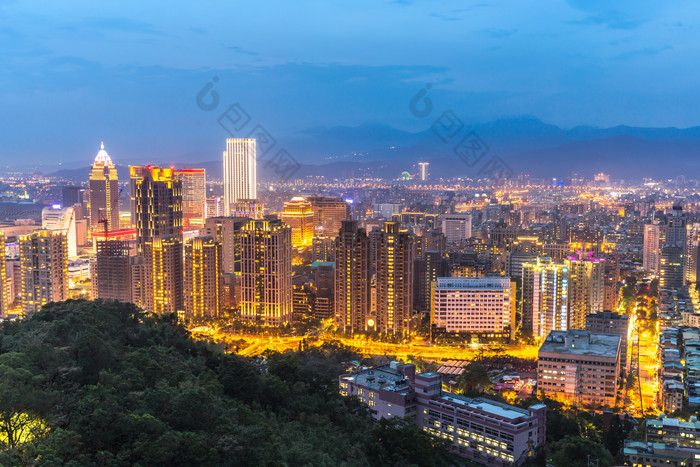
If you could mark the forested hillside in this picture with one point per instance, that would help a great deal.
(100, 383)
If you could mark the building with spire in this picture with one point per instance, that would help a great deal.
(103, 192)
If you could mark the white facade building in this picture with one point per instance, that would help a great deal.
(240, 178)
(58, 219)
(483, 306)
(457, 227)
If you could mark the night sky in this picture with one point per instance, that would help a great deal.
(75, 73)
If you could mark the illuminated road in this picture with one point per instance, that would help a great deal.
(256, 345)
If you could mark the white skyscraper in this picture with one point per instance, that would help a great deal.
(654, 235)
(239, 171)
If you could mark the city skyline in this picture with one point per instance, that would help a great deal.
(372, 233)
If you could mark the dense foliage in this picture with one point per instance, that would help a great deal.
(99, 383)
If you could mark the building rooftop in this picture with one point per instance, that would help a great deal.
(384, 377)
(492, 407)
(575, 342)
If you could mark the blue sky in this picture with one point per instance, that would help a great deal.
(127, 72)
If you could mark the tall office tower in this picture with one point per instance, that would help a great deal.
(423, 170)
(653, 240)
(544, 301)
(328, 214)
(203, 279)
(194, 196)
(44, 262)
(298, 215)
(692, 254)
(586, 288)
(426, 270)
(240, 179)
(671, 268)
(136, 174)
(62, 220)
(612, 277)
(353, 279)
(72, 195)
(158, 204)
(5, 288)
(676, 229)
(163, 292)
(227, 232)
(103, 193)
(266, 272)
(112, 279)
(482, 307)
(250, 208)
(395, 254)
(457, 227)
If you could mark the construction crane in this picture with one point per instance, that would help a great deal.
(103, 218)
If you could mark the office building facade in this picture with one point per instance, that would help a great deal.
(240, 171)
(44, 269)
(353, 279)
(266, 272)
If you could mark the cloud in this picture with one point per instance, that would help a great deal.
(241, 50)
(497, 33)
(611, 19)
(646, 51)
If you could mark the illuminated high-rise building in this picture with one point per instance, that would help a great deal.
(203, 279)
(394, 279)
(298, 215)
(457, 226)
(544, 300)
(164, 278)
(692, 254)
(112, 278)
(266, 272)
(586, 288)
(612, 277)
(136, 174)
(44, 263)
(5, 288)
(227, 232)
(654, 235)
(158, 203)
(58, 219)
(103, 192)
(328, 214)
(426, 270)
(671, 268)
(480, 307)
(194, 197)
(353, 279)
(240, 179)
(423, 170)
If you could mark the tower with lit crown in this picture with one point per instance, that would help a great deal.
(103, 192)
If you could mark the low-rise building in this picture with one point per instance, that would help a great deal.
(482, 430)
(579, 367)
(648, 454)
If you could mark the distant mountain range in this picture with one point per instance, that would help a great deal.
(526, 144)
